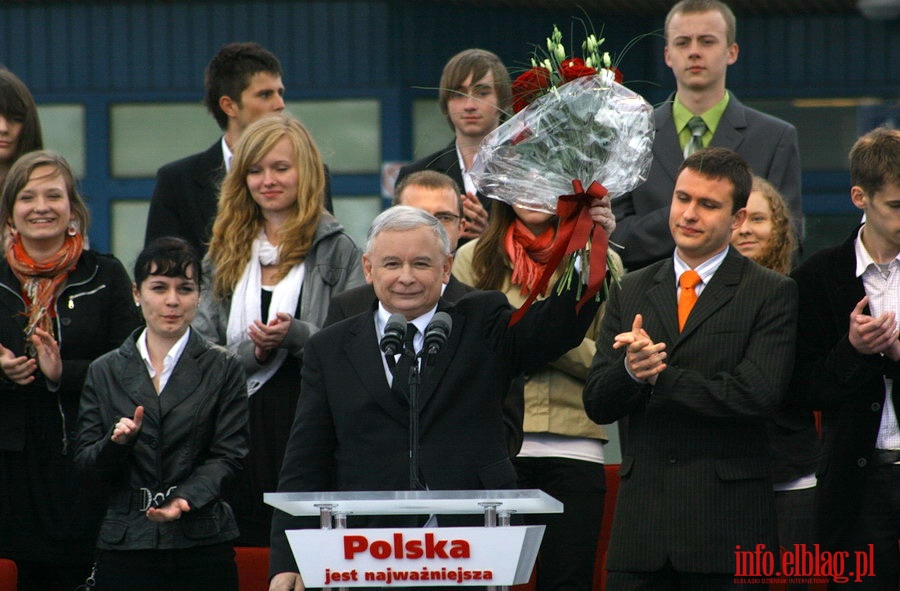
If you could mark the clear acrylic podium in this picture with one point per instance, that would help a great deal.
(334, 556)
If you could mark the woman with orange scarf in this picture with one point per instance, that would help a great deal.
(562, 452)
(61, 307)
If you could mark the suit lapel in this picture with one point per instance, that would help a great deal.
(849, 289)
(433, 375)
(662, 296)
(364, 356)
(731, 128)
(136, 378)
(185, 378)
(667, 151)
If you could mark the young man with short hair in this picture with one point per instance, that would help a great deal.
(475, 94)
(848, 365)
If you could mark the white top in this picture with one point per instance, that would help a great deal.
(421, 323)
(170, 360)
(882, 284)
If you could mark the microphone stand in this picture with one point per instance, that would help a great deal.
(415, 380)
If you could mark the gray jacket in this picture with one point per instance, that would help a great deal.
(334, 263)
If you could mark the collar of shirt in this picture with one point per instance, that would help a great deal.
(706, 269)
(863, 259)
(382, 315)
(169, 361)
(227, 155)
(681, 116)
(467, 180)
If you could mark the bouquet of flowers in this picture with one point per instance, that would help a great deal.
(574, 125)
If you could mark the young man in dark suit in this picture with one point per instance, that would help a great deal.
(697, 386)
(351, 429)
(700, 45)
(848, 365)
(242, 83)
(475, 93)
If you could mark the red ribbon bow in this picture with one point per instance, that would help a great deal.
(574, 229)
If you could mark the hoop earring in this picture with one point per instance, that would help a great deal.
(72, 229)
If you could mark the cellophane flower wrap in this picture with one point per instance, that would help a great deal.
(576, 134)
(589, 129)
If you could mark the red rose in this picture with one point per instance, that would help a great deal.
(573, 68)
(528, 86)
(618, 76)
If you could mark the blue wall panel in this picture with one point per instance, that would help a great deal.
(99, 52)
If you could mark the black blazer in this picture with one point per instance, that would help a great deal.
(447, 162)
(848, 386)
(351, 431)
(769, 146)
(186, 198)
(695, 477)
(362, 299)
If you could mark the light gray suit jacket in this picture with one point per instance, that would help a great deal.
(769, 146)
(695, 475)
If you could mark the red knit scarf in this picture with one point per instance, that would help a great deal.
(527, 253)
(41, 282)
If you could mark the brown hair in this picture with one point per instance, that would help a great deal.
(16, 102)
(723, 163)
(20, 174)
(875, 160)
(429, 179)
(778, 252)
(490, 263)
(239, 219)
(693, 6)
(229, 71)
(477, 62)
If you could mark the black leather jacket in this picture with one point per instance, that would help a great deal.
(193, 437)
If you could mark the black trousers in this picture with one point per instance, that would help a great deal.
(569, 548)
(878, 525)
(201, 568)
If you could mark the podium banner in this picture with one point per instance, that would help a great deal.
(411, 557)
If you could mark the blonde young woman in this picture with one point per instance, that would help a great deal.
(61, 307)
(275, 260)
(767, 238)
(562, 452)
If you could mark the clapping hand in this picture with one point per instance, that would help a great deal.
(127, 429)
(645, 358)
(17, 369)
(268, 337)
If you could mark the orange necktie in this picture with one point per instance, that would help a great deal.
(688, 281)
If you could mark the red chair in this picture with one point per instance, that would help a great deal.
(253, 568)
(9, 575)
(609, 508)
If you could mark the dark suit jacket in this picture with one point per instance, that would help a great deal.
(769, 146)
(848, 386)
(362, 299)
(351, 431)
(186, 198)
(695, 478)
(447, 162)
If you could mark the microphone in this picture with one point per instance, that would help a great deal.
(394, 333)
(436, 332)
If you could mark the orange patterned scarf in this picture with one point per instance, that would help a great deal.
(527, 253)
(41, 282)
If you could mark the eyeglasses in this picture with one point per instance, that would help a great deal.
(447, 218)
